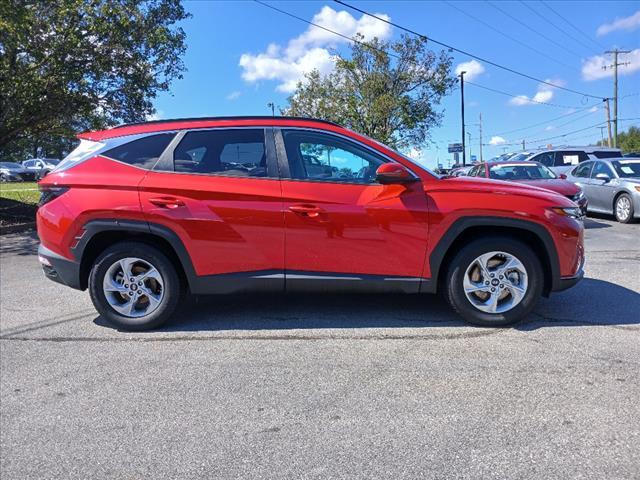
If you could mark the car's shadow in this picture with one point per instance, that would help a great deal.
(591, 223)
(591, 302)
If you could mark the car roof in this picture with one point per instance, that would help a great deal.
(519, 163)
(174, 124)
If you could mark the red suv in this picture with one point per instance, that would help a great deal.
(141, 214)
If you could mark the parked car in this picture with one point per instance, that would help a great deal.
(632, 154)
(14, 172)
(561, 160)
(460, 171)
(140, 213)
(532, 173)
(40, 166)
(612, 186)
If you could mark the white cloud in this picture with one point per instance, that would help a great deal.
(592, 66)
(548, 128)
(593, 109)
(309, 50)
(473, 68)
(627, 23)
(543, 95)
(497, 140)
(157, 115)
(234, 95)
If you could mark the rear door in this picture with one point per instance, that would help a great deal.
(343, 229)
(581, 175)
(218, 190)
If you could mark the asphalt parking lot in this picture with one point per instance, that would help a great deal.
(324, 386)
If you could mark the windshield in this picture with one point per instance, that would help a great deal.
(520, 171)
(627, 168)
(9, 165)
(520, 157)
(52, 161)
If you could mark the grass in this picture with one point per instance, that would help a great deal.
(25, 192)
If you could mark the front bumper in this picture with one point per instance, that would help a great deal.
(59, 269)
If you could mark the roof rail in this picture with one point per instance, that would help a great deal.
(248, 117)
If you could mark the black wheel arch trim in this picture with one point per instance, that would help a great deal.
(459, 226)
(94, 227)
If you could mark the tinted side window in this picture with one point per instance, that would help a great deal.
(143, 152)
(583, 170)
(545, 158)
(601, 167)
(317, 156)
(605, 154)
(564, 159)
(239, 152)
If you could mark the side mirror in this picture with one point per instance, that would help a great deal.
(390, 173)
(603, 176)
(562, 176)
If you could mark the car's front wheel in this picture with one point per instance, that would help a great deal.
(624, 208)
(494, 281)
(134, 286)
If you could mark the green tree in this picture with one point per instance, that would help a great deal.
(392, 98)
(69, 65)
(628, 141)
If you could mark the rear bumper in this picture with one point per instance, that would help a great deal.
(59, 269)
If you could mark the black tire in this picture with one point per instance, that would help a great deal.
(150, 254)
(454, 290)
(629, 218)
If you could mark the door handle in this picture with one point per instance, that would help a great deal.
(167, 202)
(306, 210)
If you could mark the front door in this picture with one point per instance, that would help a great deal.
(600, 191)
(343, 229)
(219, 191)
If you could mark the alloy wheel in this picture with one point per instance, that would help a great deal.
(133, 287)
(623, 208)
(495, 282)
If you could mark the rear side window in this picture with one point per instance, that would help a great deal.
(238, 152)
(607, 154)
(564, 159)
(143, 153)
(583, 170)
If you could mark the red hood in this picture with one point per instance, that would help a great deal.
(563, 187)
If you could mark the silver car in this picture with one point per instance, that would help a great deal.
(611, 185)
(561, 160)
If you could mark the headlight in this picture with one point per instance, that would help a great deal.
(572, 212)
(578, 196)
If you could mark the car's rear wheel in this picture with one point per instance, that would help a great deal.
(494, 281)
(623, 208)
(134, 286)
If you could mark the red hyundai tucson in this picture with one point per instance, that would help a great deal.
(141, 214)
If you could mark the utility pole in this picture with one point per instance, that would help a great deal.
(606, 107)
(523, 145)
(602, 134)
(615, 66)
(469, 133)
(481, 136)
(273, 108)
(464, 152)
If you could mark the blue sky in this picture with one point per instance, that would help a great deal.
(242, 55)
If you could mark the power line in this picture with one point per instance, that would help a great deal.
(549, 121)
(564, 124)
(463, 52)
(561, 30)
(520, 96)
(534, 140)
(565, 20)
(473, 17)
(537, 32)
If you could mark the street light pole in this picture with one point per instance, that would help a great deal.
(464, 151)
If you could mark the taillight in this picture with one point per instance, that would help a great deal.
(50, 192)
